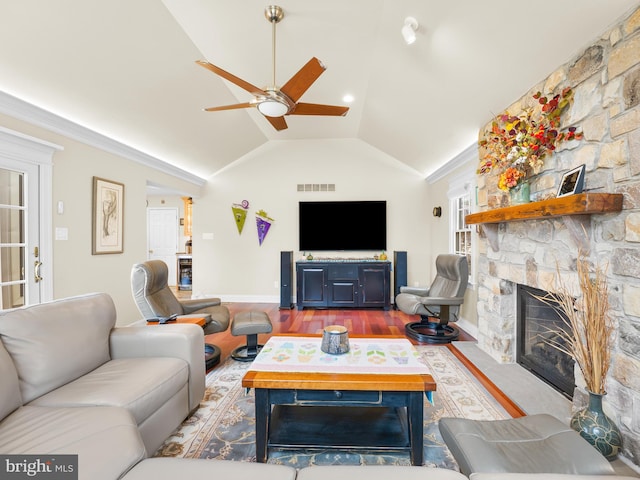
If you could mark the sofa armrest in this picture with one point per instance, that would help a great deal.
(184, 341)
(195, 304)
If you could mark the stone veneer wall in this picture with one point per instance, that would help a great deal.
(606, 81)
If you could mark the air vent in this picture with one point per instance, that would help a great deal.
(316, 187)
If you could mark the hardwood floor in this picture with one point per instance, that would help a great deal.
(358, 322)
(366, 322)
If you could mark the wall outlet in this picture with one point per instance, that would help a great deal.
(207, 236)
(416, 284)
(276, 284)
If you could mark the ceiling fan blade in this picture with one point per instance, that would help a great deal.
(279, 123)
(232, 78)
(229, 107)
(316, 109)
(301, 81)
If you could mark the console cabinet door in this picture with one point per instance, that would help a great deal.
(343, 293)
(311, 286)
(374, 286)
(343, 285)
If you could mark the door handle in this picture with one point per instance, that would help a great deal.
(36, 271)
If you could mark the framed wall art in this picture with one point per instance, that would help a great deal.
(107, 217)
(572, 182)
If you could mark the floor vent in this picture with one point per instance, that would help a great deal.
(316, 187)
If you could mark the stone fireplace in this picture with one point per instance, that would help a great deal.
(534, 251)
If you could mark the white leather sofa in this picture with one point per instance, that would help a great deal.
(356, 472)
(72, 382)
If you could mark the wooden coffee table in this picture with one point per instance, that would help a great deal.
(370, 398)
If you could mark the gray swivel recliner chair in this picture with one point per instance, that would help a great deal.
(439, 304)
(154, 298)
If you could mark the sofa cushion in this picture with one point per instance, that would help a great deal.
(532, 444)
(105, 439)
(376, 472)
(185, 341)
(10, 398)
(54, 343)
(141, 385)
(195, 468)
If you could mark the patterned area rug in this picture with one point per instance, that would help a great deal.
(224, 425)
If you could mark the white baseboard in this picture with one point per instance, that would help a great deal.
(468, 327)
(239, 298)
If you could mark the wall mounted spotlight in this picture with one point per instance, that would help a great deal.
(437, 211)
(409, 30)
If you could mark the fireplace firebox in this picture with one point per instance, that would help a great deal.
(537, 324)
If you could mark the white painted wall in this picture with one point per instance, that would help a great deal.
(440, 241)
(230, 265)
(76, 271)
(236, 268)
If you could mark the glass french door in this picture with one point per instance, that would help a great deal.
(20, 262)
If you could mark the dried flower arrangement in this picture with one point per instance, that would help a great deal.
(518, 144)
(588, 338)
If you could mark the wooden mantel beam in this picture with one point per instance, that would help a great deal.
(578, 204)
(574, 209)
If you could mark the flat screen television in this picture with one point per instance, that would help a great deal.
(346, 225)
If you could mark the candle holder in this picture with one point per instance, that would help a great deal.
(335, 340)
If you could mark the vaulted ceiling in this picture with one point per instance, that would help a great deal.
(126, 69)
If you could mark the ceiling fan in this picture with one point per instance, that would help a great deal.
(273, 102)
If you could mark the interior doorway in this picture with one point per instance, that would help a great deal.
(162, 238)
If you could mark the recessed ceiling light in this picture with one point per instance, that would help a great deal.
(348, 98)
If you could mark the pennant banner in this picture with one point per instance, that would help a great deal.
(263, 223)
(240, 214)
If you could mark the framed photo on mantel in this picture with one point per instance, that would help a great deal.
(107, 221)
(572, 182)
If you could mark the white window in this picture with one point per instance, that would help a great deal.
(460, 235)
(460, 231)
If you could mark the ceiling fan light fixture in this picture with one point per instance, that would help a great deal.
(409, 30)
(272, 108)
(272, 102)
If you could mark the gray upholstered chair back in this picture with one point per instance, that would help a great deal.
(151, 292)
(452, 275)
